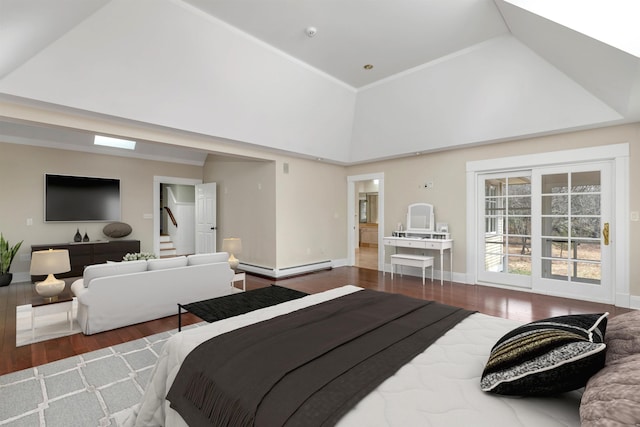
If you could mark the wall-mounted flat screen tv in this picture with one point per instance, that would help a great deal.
(81, 199)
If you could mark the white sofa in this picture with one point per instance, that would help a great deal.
(118, 294)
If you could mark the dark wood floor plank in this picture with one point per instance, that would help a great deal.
(512, 304)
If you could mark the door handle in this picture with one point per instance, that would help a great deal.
(605, 233)
(213, 228)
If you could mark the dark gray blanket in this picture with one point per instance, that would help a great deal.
(308, 367)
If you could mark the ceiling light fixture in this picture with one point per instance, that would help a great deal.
(108, 141)
(368, 67)
(311, 31)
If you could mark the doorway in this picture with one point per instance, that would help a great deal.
(367, 247)
(177, 210)
(188, 221)
(551, 225)
(366, 221)
(541, 229)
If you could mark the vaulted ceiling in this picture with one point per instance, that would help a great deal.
(443, 73)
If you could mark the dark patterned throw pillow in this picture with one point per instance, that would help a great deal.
(547, 357)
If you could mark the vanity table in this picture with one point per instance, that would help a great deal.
(433, 242)
(421, 235)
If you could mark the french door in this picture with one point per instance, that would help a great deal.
(574, 228)
(505, 229)
(548, 229)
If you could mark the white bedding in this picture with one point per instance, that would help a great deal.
(440, 387)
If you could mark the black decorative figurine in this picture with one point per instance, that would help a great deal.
(78, 236)
(86, 237)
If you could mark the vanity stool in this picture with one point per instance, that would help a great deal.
(412, 261)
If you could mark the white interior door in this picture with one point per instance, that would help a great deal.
(206, 196)
(573, 228)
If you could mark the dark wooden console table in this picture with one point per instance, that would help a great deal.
(82, 254)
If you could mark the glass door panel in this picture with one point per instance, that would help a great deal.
(570, 213)
(506, 229)
(575, 204)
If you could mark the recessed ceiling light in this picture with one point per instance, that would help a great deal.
(368, 67)
(108, 141)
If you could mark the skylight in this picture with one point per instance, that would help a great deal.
(108, 141)
(614, 22)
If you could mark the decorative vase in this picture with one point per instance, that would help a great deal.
(5, 279)
(86, 237)
(78, 236)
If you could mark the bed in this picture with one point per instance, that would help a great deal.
(439, 387)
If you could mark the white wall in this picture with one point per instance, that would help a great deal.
(21, 177)
(306, 208)
(311, 212)
(246, 206)
(285, 219)
(495, 90)
(166, 63)
(404, 180)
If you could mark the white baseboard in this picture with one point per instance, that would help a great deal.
(343, 262)
(278, 273)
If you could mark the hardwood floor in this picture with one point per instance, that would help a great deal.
(510, 304)
(367, 258)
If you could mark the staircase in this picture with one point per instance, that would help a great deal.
(167, 250)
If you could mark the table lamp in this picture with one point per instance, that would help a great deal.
(50, 262)
(233, 245)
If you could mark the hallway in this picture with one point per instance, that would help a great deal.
(367, 258)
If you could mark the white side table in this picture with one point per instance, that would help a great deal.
(240, 276)
(44, 306)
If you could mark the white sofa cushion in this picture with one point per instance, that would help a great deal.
(211, 258)
(164, 263)
(112, 269)
(149, 294)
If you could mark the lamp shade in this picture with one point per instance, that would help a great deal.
(233, 245)
(53, 261)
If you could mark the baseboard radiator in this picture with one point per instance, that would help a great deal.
(279, 273)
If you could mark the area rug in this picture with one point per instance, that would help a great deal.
(102, 387)
(93, 389)
(243, 302)
(47, 327)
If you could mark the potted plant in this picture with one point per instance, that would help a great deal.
(138, 256)
(7, 253)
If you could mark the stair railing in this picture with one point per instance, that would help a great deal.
(173, 219)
